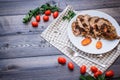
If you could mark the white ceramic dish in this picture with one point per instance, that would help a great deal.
(91, 48)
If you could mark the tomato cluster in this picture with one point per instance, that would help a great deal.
(45, 17)
(83, 68)
(62, 60)
(95, 70)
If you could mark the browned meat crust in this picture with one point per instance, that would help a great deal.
(94, 27)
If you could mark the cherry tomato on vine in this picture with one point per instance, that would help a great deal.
(46, 18)
(47, 12)
(34, 24)
(55, 14)
(37, 18)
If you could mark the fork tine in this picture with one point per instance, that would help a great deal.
(70, 50)
(73, 53)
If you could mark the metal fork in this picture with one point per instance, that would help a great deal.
(76, 54)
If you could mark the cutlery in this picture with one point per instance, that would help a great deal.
(74, 53)
(99, 56)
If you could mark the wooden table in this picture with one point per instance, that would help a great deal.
(24, 55)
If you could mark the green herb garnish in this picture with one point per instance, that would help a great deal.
(88, 77)
(69, 16)
(30, 14)
(101, 77)
(39, 10)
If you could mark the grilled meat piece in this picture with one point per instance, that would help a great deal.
(75, 29)
(94, 27)
(79, 20)
(106, 29)
(92, 21)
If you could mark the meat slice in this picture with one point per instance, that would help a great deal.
(86, 21)
(86, 24)
(83, 24)
(93, 21)
(102, 21)
(75, 29)
(79, 20)
(95, 31)
(83, 21)
(106, 28)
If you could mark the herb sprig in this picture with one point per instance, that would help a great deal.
(88, 77)
(69, 16)
(39, 10)
(101, 77)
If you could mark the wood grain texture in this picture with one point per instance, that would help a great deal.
(34, 68)
(13, 24)
(24, 55)
(93, 4)
(23, 38)
(17, 7)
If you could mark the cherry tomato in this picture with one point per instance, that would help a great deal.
(34, 24)
(47, 12)
(37, 18)
(55, 14)
(70, 66)
(93, 69)
(109, 73)
(61, 60)
(98, 73)
(83, 69)
(45, 18)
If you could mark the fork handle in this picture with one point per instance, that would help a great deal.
(102, 65)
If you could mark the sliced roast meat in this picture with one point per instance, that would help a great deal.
(75, 29)
(92, 21)
(94, 27)
(86, 21)
(80, 23)
(83, 22)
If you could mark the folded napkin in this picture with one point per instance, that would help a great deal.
(56, 34)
